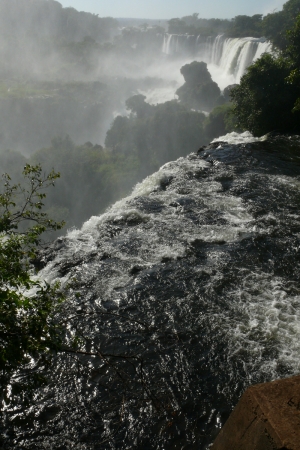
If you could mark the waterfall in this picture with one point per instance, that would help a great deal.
(232, 55)
(263, 47)
(179, 44)
(166, 45)
(216, 49)
(239, 53)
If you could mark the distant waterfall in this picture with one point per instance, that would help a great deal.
(233, 55)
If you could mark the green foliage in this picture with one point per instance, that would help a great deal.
(220, 121)
(91, 178)
(268, 96)
(273, 29)
(293, 53)
(166, 132)
(137, 105)
(275, 25)
(174, 131)
(33, 112)
(293, 49)
(195, 25)
(117, 135)
(28, 330)
(243, 26)
(239, 26)
(40, 36)
(177, 26)
(199, 91)
(195, 73)
(264, 100)
(49, 18)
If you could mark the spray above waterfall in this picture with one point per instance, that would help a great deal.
(227, 60)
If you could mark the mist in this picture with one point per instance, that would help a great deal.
(66, 76)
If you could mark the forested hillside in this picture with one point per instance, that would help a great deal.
(49, 20)
(273, 26)
(268, 97)
(40, 36)
(65, 72)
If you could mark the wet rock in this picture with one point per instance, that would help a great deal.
(135, 270)
(165, 182)
(48, 253)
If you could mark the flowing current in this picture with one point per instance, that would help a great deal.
(231, 55)
(193, 280)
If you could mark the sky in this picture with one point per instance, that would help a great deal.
(167, 9)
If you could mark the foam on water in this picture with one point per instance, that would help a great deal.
(267, 310)
(231, 208)
(238, 138)
(206, 253)
(160, 95)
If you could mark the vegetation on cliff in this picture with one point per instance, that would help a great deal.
(268, 97)
(273, 26)
(28, 330)
(199, 91)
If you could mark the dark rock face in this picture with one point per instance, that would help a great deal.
(267, 417)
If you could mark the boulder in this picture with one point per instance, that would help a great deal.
(267, 417)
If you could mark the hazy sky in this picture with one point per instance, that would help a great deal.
(167, 9)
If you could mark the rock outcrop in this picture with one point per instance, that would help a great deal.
(267, 417)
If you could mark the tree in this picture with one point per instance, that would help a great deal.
(263, 101)
(293, 52)
(156, 135)
(138, 106)
(275, 25)
(194, 25)
(272, 28)
(195, 73)
(242, 26)
(28, 330)
(199, 90)
(220, 121)
(177, 26)
(267, 98)
(117, 135)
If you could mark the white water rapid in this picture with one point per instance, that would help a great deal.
(194, 279)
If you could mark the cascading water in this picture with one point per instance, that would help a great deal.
(227, 61)
(196, 274)
(232, 55)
